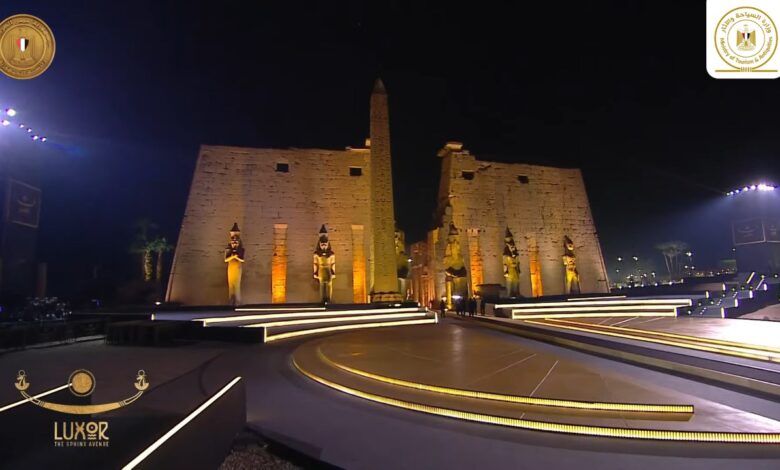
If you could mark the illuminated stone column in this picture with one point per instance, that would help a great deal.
(535, 267)
(385, 277)
(358, 265)
(279, 265)
(475, 259)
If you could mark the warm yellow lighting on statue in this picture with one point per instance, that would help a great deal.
(475, 260)
(454, 267)
(234, 257)
(324, 262)
(572, 278)
(511, 265)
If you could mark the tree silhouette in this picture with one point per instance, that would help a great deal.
(672, 251)
(144, 245)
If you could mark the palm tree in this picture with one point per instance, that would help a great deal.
(160, 245)
(144, 246)
(672, 251)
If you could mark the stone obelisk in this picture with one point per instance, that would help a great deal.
(385, 288)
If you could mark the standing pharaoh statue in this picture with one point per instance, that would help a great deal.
(511, 265)
(454, 267)
(402, 263)
(572, 282)
(324, 263)
(234, 257)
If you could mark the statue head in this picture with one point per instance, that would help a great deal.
(568, 246)
(509, 244)
(400, 241)
(235, 237)
(323, 244)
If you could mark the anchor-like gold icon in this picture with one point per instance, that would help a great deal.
(81, 383)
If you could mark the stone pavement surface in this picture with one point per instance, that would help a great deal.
(456, 357)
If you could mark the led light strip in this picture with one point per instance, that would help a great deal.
(699, 339)
(586, 299)
(384, 316)
(584, 405)
(295, 314)
(277, 309)
(676, 302)
(660, 341)
(293, 334)
(22, 402)
(598, 431)
(543, 316)
(724, 349)
(591, 308)
(156, 444)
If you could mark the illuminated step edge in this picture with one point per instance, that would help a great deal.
(592, 308)
(725, 345)
(597, 431)
(276, 309)
(292, 334)
(697, 347)
(329, 313)
(676, 302)
(700, 339)
(156, 444)
(307, 321)
(551, 402)
(42, 394)
(589, 314)
(587, 299)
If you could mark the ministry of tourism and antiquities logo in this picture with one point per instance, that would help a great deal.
(743, 39)
(81, 433)
(26, 46)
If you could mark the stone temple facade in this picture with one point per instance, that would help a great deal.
(479, 201)
(282, 199)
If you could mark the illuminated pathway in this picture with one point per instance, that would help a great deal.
(742, 339)
(354, 432)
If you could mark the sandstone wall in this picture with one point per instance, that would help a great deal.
(233, 184)
(540, 210)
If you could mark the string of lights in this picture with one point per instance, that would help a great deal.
(11, 113)
(753, 187)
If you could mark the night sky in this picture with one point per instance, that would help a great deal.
(618, 89)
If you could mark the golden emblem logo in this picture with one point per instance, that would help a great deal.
(745, 40)
(26, 46)
(82, 383)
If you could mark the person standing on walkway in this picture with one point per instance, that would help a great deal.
(482, 306)
(443, 308)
